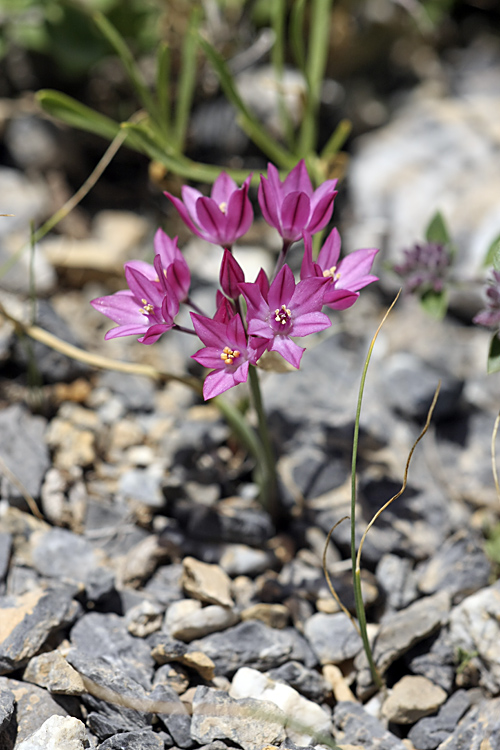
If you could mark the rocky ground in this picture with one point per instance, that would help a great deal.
(147, 601)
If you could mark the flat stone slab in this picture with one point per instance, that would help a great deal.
(28, 620)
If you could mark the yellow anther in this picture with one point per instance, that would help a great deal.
(223, 207)
(332, 273)
(282, 315)
(229, 355)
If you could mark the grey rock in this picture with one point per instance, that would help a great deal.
(23, 449)
(301, 648)
(397, 581)
(179, 727)
(459, 567)
(307, 682)
(360, 728)
(34, 705)
(436, 660)
(200, 621)
(313, 471)
(105, 719)
(242, 560)
(409, 384)
(245, 526)
(136, 392)
(28, 621)
(58, 733)
(400, 631)
(53, 366)
(173, 676)
(138, 740)
(52, 671)
(105, 635)
(429, 732)
(142, 485)
(5, 550)
(412, 698)
(248, 722)
(475, 627)
(332, 637)
(479, 729)
(35, 143)
(62, 554)
(248, 644)
(8, 726)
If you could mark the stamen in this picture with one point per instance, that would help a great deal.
(148, 307)
(229, 355)
(223, 207)
(282, 315)
(332, 273)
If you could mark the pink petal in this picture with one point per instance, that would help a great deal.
(256, 304)
(329, 254)
(282, 288)
(165, 247)
(217, 382)
(239, 215)
(309, 267)
(294, 215)
(258, 327)
(354, 270)
(191, 196)
(310, 323)
(211, 332)
(308, 295)
(121, 307)
(154, 332)
(146, 269)
(222, 188)
(298, 180)
(209, 357)
(130, 330)
(181, 209)
(321, 207)
(268, 202)
(340, 299)
(211, 220)
(288, 349)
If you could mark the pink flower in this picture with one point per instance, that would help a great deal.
(293, 205)
(286, 309)
(220, 219)
(231, 275)
(227, 351)
(173, 264)
(147, 308)
(346, 277)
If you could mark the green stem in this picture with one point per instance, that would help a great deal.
(356, 573)
(267, 459)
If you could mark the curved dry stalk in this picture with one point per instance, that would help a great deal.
(329, 580)
(405, 477)
(4, 469)
(96, 360)
(493, 454)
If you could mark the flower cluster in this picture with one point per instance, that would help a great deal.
(278, 309)
(490, 316)
(425, 267)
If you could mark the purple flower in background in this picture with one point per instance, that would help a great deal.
(425, 267)
(346, 277)
(221, 219)
(288, 309)
(146, 309)
(292, 206)
(490, 316)
(227, 351)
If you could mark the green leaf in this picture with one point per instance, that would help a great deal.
(128, 62)
(187, 79)
(434, 303)
(437, 230)
(494, 355)
(493, 255)
(337, 139)
(248, 122)
(70, 111)
(297, 34)
(163, 85)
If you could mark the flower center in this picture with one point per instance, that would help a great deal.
(229, 355)
(148, 307)
(282, 315)
(332, 273)
(223, 207)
